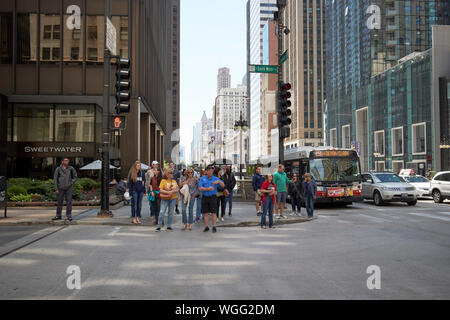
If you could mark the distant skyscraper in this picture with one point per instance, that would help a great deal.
(223, 79)
(258, 13)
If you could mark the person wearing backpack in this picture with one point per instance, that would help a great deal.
(64, 178)
(136, 188)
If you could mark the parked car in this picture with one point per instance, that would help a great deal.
(440, 186)
(387, 187)
(421, 184)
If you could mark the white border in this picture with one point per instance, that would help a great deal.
(392, 142)
(413, 137)
(375, 143)
(331, 140)
(349, 136)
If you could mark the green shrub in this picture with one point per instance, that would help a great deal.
(22, 198)
(39, 188)
(15, 191)
(86, 184)
(19, 182)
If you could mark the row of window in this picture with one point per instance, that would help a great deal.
(419, 146)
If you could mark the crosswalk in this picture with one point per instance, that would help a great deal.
(368, 213)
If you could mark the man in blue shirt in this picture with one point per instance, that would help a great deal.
(208, 187)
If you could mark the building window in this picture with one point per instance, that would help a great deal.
(123, 33)
(92, 33)
(76, 34)
(333, 138)
(397, 141)
(92, 54)
(74, 53)
(380, 166)
(55, 54)
(397, 166)
(33, 123)
(418, 138)
(56, 32)
(378, 149)
(47, 32)
(45, 54)
(346, 137)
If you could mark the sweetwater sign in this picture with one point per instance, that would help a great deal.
(51, 149)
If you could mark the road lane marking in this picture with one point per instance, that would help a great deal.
(373, 218)
(446, 213)
(428, 216)
(115, 230)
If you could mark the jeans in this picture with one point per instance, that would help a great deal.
(221, 206)
(136, 204)
(169, 207)
(191, 211)
(61, 195)
(229, 200)
(296, 203)
(198, 214)
(267, 207)
(309, 201)
(154, 208)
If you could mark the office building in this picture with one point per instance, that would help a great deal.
(258, 13)
(223, 79)
(52, 82)
(305, 70)
(378, 90)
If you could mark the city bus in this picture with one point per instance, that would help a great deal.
(336, 171)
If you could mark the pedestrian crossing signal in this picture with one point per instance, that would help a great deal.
(118, 123)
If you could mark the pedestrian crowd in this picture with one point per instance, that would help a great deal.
(209, 193)
(272, 191)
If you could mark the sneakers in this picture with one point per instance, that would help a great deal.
(214, 230)
(222, 219)
(259, 214)
(263, 227)
(293, 213)
(158, 229)
(206, 229)
(56, 218)
(277, 217)
(169, 229)
(69, 219)
(284, 217)
(177, 211)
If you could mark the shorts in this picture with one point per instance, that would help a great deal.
(209, 204)
(257, 196)
(281, 197)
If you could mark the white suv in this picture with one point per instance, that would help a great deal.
(440, 186)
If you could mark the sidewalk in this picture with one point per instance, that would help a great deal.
(244, 215)
(35, 215)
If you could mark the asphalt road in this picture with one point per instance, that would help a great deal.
(11, 233)
(326, 258)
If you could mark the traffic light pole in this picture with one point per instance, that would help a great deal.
(280, 81)
(105, 176)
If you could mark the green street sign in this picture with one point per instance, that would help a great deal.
(284, 57)
(263, 69)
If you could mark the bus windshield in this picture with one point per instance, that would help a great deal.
(335, 169)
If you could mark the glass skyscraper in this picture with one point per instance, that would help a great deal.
(370, 104)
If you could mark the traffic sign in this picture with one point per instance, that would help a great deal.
(263, 69)
(111, 37)
(118, 122)
(284, 57)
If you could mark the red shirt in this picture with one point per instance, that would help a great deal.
(265, 186)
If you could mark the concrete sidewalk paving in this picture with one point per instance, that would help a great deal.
(37, 215)
(243, 215)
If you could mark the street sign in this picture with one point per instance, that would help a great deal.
(111, 36)
(263, 69)
(119, 122)
(284, 57)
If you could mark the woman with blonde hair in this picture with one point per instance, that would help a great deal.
(136, 188)
(168, 192)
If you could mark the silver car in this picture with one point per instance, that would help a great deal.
(387, 187)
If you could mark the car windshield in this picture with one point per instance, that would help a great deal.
(416, 179)
(335, 169)
(388, 177)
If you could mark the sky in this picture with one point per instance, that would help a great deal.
(213, 35)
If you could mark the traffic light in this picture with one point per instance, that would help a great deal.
(123, 85)
(285, 112)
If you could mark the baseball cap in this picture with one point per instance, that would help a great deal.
(209, 167)
(155, 162)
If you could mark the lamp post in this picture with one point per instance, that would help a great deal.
(241, 125)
